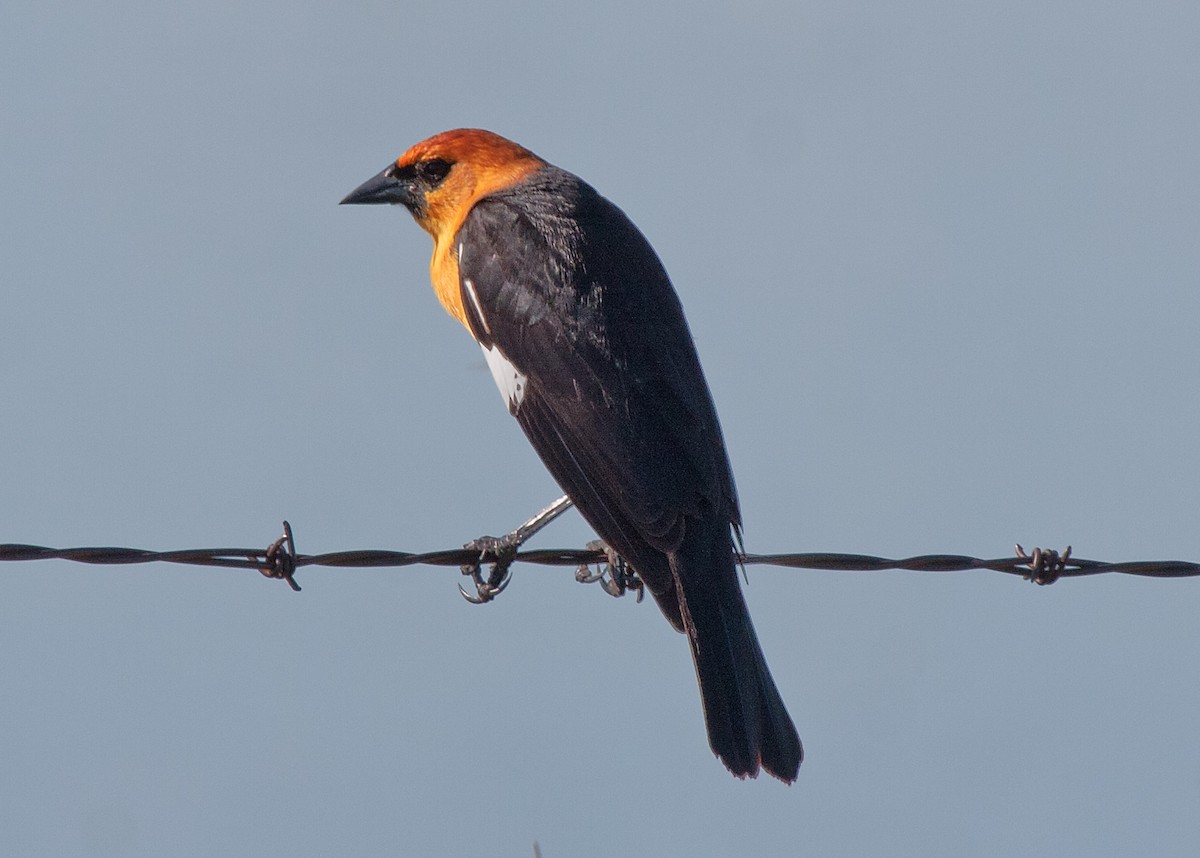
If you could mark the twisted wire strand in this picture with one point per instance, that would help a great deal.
(281, 561)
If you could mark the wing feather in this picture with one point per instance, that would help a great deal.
(571, 293)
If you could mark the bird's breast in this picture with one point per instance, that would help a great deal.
(443, 271)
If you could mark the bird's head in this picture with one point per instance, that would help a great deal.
(439, 179)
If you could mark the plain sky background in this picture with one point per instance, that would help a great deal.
(942, 264)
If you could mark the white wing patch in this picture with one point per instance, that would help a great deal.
(474, 296)
(509, 379)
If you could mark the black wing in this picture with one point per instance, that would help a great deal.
(563, 284)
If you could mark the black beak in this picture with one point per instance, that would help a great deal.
(383, 188)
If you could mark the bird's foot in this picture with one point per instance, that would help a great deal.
(614, 576)
(501, 552)
(498, 551)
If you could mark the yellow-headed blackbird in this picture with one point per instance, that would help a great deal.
(587, 342)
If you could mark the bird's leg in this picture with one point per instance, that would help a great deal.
(614, 575)
(501, 551)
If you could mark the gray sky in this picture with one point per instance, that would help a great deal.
(941, 263)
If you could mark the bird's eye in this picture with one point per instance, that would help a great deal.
(401, 174)
(433, 171)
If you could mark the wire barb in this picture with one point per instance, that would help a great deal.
(280, 559)
(1045, 564)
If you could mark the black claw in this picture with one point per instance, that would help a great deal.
(614, 586)
(613, 575)
(485, 592)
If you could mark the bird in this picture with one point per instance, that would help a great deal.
(586, 339)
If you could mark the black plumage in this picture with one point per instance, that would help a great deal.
(568, 290)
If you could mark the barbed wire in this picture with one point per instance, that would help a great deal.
(280, 560)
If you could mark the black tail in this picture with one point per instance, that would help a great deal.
(748, 724)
